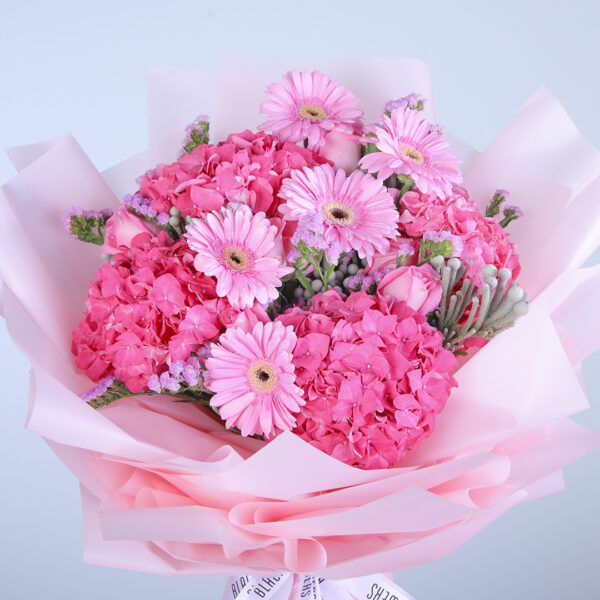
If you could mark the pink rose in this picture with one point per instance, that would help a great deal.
(122, 227)
(283, 245)
(246, 319)
(420, 287)
(410, 249)
(231, 316)
(342, 149)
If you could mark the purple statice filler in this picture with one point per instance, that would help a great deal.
(143, 207)
(199, 122)
(86, 214)
(367, 282)
(441, 239)
(181, 373)
(86, 225)
(412, 101)
(196, 133)
(154, 383)
(333, 253)
(406, 249)
(293, 255)
(354, 282)
(517, 211)
(169, 382)
(499, 197)
(67, 216)
(140, 205)
(99, 389)
(511, 212)
(103, 213)
(176, 368)
(379, 274)
(192, 371)
(310, 231)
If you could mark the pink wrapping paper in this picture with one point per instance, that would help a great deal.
(166, 489)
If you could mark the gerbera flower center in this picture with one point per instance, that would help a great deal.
(262, 376)
(312, 112)
(236, 258)
(412, 153)
(339, 213)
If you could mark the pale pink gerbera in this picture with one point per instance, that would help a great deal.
(357, 211)
(252, 375)
(408, 145)
(306, 106)
(239, 249)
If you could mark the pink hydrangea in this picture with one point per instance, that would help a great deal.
(484, 240)
(246, 168)
(146, 309)
(374, 375)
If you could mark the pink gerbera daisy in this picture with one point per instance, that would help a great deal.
(306, 106)
(357, 211)
(408, 145)
(252, 375)
(239, 249)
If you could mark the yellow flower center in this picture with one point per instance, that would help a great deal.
(412, 153)
(236, 258)
(339, 213)
(312, 112)
(262, 376)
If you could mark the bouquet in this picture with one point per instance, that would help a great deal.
(336, 343)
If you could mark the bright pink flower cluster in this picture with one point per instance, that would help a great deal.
(147, 308)
(271, 278)
(484, 240)
(374, 375)
(246, 168)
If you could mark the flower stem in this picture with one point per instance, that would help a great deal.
(328, 273)
(304, 280)
(407, 185)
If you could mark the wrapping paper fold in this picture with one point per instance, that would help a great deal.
(166, 489)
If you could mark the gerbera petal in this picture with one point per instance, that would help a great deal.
(366, 213)
(256, 405)
(236, 247)
(408, 145)
(308, 105)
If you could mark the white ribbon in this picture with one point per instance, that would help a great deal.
(280, 587)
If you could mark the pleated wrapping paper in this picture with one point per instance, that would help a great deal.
(166, 489)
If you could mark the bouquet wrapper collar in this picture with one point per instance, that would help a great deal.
(288, 586)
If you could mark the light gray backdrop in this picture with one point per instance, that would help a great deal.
(80, 67)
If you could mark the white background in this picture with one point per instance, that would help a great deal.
(80, 67)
